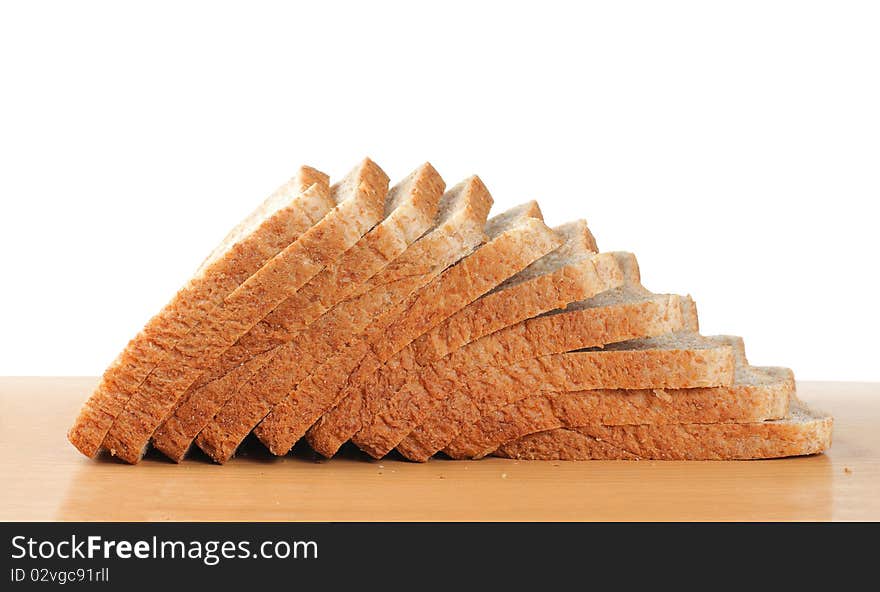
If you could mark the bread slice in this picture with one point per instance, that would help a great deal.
(458, 230)
(410, 208)
(516, 239)
(570, 273)
(360, 199)
(553, 281)
(276, 223)
(622, 314)
(758, 394)
(806, 431)
(675, 361)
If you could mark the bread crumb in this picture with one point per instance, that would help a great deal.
(662, 395)
(504, 475)
(847, 470)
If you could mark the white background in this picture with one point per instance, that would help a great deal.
(734, 147)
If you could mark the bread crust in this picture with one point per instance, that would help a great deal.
(459, 228)
(805, 432)
(278, 221)
(527, 240)
(411, 207)
(391, 417)
(740, 403)
(279, 278)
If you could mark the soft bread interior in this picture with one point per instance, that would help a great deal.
(751, 375)
(512, 218)
(577, 245)
(364, 174)
(467, 201)
(671, 341)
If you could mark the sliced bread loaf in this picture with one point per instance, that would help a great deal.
(570, 273)
(410, 209)
(758, 394)
(674, 361)
(457, 231)
(552, 281)
(516, 239)
(360, 202)
(622, 314)
(275, 224)
(805, 431)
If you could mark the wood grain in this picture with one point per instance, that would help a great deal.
(45, 478)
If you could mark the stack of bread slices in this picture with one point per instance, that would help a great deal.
(408, 319)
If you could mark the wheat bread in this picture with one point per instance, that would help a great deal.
(675, 361)
(805, 431)
(458, 229)
(410, 209)
(551, 282)
(758, 394)
(360, 200)
(622, 314)
(510, 250)
(570, 273)
(277, 222)
(515, 239)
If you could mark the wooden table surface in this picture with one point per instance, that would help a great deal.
(45, 478)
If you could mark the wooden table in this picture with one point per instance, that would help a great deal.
(44, 478)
